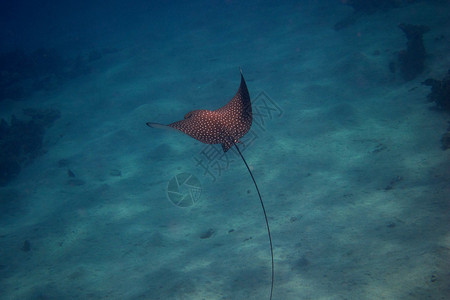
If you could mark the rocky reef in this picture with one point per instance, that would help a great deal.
(21, 141)
(412, 59)
(440, 95)
(445, 140)
(440, 92)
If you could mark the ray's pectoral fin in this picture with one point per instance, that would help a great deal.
(160, 126)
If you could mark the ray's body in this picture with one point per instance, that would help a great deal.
(221, 126)
(224, 126)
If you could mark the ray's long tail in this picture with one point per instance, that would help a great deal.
(265, 216)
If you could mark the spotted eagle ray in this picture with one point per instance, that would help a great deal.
(224, 126)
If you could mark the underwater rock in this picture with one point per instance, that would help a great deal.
(63, 163)
(26, 246)
(207, 234)
(301, 263)
(393, 182)
(440, 92)
(412, 60)
(21, 141)
(378, 148)
(70, 173)
(445, 141)
(440, 95)
(73, 181)
(391, 225)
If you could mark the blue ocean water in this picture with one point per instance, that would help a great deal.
(348, 147)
